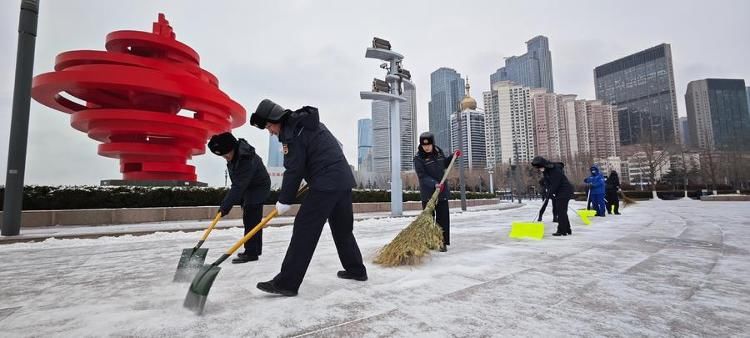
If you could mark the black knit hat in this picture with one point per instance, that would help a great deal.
(267, 111)
(426, 138)
(539, 162)
(222, 144)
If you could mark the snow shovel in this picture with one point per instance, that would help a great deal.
(533, 230)
(584, 214)
(197, 294)
(192, 260)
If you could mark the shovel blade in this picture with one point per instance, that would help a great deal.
(190, 263)
(197, 294)
(585, 214)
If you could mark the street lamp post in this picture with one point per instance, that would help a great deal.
(19, 125)
(391, 91)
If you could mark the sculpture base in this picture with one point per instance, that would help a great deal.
(173, 183)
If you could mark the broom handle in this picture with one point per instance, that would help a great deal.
(448, 170)
(259, 226)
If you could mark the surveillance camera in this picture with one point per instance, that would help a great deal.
(384, 65)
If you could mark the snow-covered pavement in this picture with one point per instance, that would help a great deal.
(663, 268)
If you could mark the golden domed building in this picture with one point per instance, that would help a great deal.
(472, 129)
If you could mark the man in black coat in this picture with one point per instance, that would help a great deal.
(610, 192)
(430, 164)
(251, 186)
(558, 189)
(311, 153)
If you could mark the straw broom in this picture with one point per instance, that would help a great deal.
(416, 240)
(626, 199)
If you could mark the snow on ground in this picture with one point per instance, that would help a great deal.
(678, 268)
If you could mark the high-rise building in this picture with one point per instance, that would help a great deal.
(492, 128)
(446, 91)
(381, 133)
(604, 136)
(364, 145)
(472, 131)
(642, 86)
(747, 91)
(381, 137)
(533, 69)
(275, 155)
(547, 126)
(516, 122)
(684, 130)
(718, 114)
(408, 129)
(566, 108)
(564, 127)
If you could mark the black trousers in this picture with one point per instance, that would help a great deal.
(443, 219)
(563, 223)
(613, 201)
(317, 208)
(251, 216)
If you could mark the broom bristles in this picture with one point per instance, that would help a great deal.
(415, 241)
(626, 199)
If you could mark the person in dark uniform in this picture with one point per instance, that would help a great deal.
(311, 153)
(610, 192)
(558, 189)
(430, 164)
(251, 186)
(545, 188)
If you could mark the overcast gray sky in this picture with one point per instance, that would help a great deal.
(312, 53)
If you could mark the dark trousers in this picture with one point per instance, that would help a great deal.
(554, 210)
(563, 223)
(598, 202)
(251, 216)
(443, 219)
(317, 208)
(613, 203)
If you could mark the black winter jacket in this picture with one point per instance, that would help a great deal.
(612, 186)
(430, 169)
(250, 181)
(311, 153)
(555, 181)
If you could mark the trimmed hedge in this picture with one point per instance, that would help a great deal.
(98, 197)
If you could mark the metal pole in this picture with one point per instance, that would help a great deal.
(492, 185)
(396, 187)
(461, 179)
(19, 126)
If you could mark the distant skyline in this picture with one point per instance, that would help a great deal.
(260, 49)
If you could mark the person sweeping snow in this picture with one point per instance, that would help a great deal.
(611, 189)
(430, 164)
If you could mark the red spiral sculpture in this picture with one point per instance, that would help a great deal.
(130, 96)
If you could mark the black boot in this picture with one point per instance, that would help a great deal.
(343, 274)
(244, 258)
(560, 234)
(271, 287)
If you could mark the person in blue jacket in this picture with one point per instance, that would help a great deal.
(597, 185)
